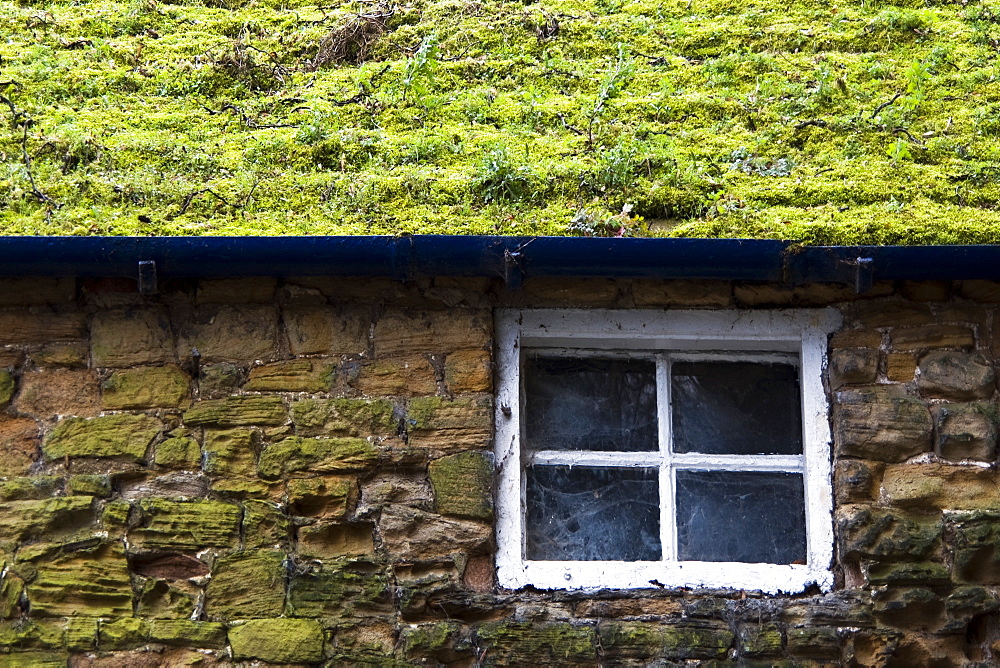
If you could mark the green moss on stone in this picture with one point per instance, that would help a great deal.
(230, 452)
(122, 436)
(265, 525)
(186, 525)
(46, 519)
(187, 633)
(81, 633)
(326, 455)
(146, 387)
(278, 640)
(463, 484)
(37, 487)
(180, 452)
(524, 642)
(338, 588)
(7, 387)
(247, 585)
(344, 417)
(302, 375)
(237, 411)
(92, 485)
(89, 584)
(122, 633)
(669, 641)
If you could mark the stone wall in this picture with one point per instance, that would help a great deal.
(299, 472)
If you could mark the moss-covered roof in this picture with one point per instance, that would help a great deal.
(852, 122)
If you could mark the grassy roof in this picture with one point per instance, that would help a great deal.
(852, 122)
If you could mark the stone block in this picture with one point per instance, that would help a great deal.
(925, 291)
(410, 534)
(132, 336)
(526, 643)
(69, 354)
(400, 332)
(646, 293)
(188, 526)
(966, 431)
(19, 441)
(35, 487)
(877, 424)
(159, 599)
(877, 314)
(944, 486)
(167, 566)
(45, 519)
(932, 336)
(401, 375)
(29, 291)
(247, 585)
(906, 573)
(217, 381)
(89, 485)
(956, 376)
(301, 375)
(229, 333)
(900, 367)
(813, 643)
(230, 452)
(980, 291)
(146, 387)
(181, 452)
(873, 533)
(122, 436)
(856, 481)
(324, 330)
(856, 338)
(177, 485)
(246, 289)
(265, 526)
(345, 417)
(916, 608)
(330, 497)
(56, 392)
(774, 294)
(332, 541)
(469, 371)
(35, 326)
(853, 366)
(976, 547)
(124, 633)
(278, 640)
(237, 411)
(463, 484)
(761, 640)
(341, 588)
(547, 290)
(7, 386)
(436, 423)
(92, 584)
(186, 633)
(320, 455)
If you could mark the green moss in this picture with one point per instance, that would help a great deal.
(521, 642)
(344, 417)
(121, 436)
(146, 387)
(237, 411)
(7, 386)
(463, 484)
(278, 640)
(328, 455)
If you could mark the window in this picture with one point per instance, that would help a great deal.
(663, 448)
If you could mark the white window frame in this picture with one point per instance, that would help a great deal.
(799, 335)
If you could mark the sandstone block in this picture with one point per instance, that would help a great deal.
(89, 485)
(166, 600)
(332, 541)
(278, 640)
(328, 496)
(265, 525)
(180, 452)
(853, 366)
(28, 291)
(167, 566)
(956, 376)
(56, 392)
(146, 387)
(877, 314)
(876, 424)
(770, 294)
(435, 423)
(980, 291)
(217, 381)
(855, 338)
(932, 485)
(925, 291)
(93, 584)
(873, 533)
(178, 485)
(70, 354)
(186, 525)
(682, 293)
(932, 336)
(976, 547)
(252, 289)
(124, 633)
(512, 643)
(463, 484)
(229, 333)
(19, 441)
(345, 417)
(120, 436)
(35, 487)
(401, 332)
(247, 585)
(966, 431)
(230, 452)
(45, 519)
(549, 290)
(813, 643)
(237, 411)
(900, 367)
(302, 375)
(917, 608)
(321, 455)
(7, 387)
(856, 481)
(469, 371)
(36, 325)
(402, 375)
(340, 588)
(186, 633)
(127, 337)
(761, 640)
(410, 534)
(906, 573)
(324, 330)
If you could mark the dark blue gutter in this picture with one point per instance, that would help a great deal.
(507, 258)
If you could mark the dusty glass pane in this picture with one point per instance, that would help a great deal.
(590, 404)
(589, 514)
(737, 408)
(741, 516)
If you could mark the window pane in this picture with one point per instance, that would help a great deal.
(588, 514)
(590, 404)
(737, 408)
(741, 516)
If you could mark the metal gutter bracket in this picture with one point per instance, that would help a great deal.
(864, 274)
(513, 271)
(147, 277)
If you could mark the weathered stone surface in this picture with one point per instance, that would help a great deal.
(278, 640)
(127, 337)
(265, 526)
(167, 600)
(338, 588)
(125, 633)
(230, 452)
(252, 289)
(553, 290)
(89, 485)
(324, 330)
(879, 313)
(980, 291)
(925, 291)
(917, 608)
(955, 376)
(966, 431)
(237, 411)
(167, 566)
(855, 338)
(412, 491)
(407, 332)
(412, 534)
(70, 354)
(146, 387)
(906, 573)
(7, 387)
(932, 336)
(463, 484)
(856, 481)
(45, 519)
(243, 488)
(121, 436)
(183, 632)
(932, 485)
(247, 585)
(48, 393)
(35, 487)
(682, 293)
(36, 326)
(179, 452)
(436, 423)
(771, 294)
(230, 333)
(976, 547)
(331, 497)
(873, 533)
(28, 291)
(216, 381)
(853, 366)
(900, 367)
(876, 424)
(84, 583)
(179, 485)
(301, 375)
(186, 525)
(19, 441)
(345, 417)
(328, 541)
(761, 640)
(512, 643)
(322, 455)
(401, 375)
(469, 371)
(813, 643)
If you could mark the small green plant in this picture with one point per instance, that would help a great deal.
(899, 151)
(498, 179)
(419, 74)
(616, 170)
(917, 75)
(613, 83)
(588, 223)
